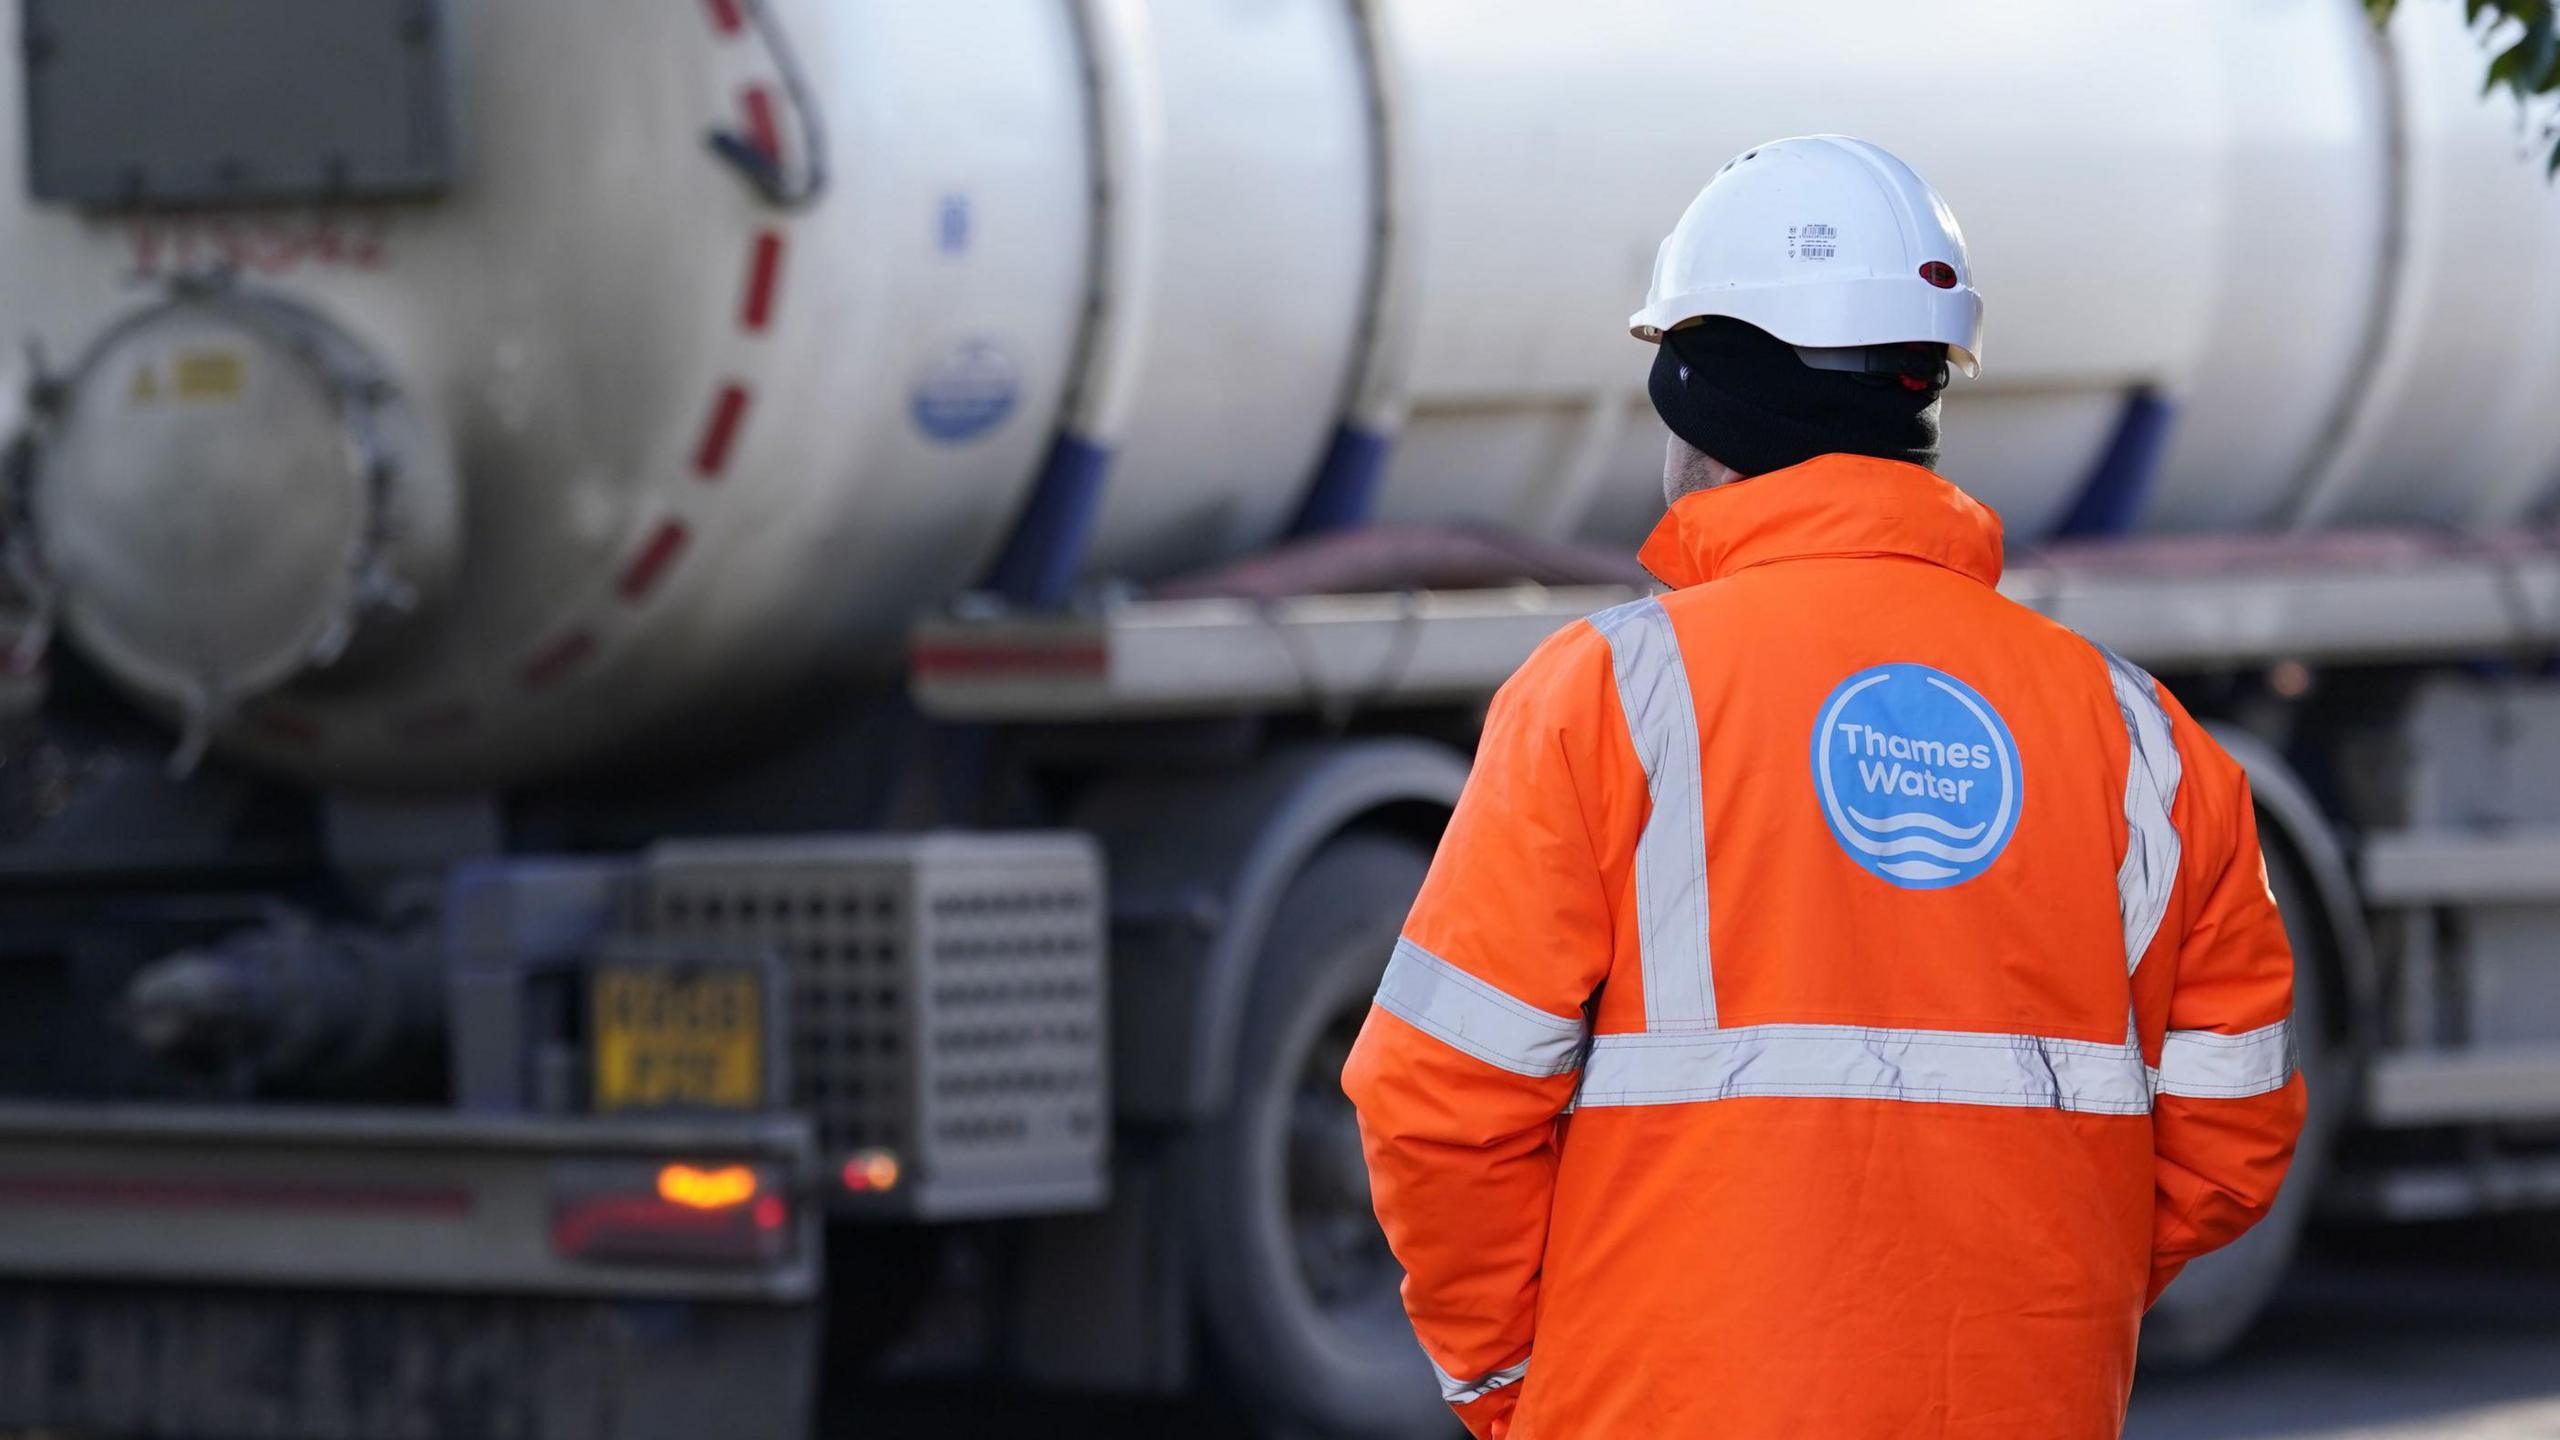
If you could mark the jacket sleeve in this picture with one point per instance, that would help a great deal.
(1469, 1054)
(2231, 1097)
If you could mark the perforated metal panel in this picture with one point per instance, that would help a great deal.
(947, 996)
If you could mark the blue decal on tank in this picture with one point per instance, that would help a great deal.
(965, 391)
(1917, 774)
(951, 225)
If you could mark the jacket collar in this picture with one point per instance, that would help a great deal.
(1829, 505)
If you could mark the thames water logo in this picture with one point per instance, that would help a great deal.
(1918, 775)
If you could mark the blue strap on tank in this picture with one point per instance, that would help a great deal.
(2111, 499)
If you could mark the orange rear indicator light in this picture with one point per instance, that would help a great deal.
(698, 1189)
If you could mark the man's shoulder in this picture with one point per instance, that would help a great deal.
(1576, 651)
(2199, 755)
(1573, 666)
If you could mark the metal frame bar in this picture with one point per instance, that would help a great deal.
(418, 1200)
(2320, 600)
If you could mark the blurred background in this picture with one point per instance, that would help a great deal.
(715, 711)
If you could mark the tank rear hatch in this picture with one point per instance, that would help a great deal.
(221, 493)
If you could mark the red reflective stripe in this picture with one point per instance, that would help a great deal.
(581, 1223)
(557, 659)
(650, 565)
(764, 271)
(762, 131)
(726, 15)
(728, 410)
(149, 1192)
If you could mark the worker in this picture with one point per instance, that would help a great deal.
(1843, 998)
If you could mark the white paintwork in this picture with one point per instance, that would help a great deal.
(1386, 364)
(1534, 223)
(2192, 195)
(1265, 232)
(2459, 427)
(1128, 221)
(2299, 196)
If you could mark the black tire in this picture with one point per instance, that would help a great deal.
(2214, 1301)
(1294, 1281)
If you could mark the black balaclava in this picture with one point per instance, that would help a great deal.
(1746, 398)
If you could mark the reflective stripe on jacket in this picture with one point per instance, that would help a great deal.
(1841, 1001)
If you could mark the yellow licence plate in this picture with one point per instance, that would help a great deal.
(670, 1038)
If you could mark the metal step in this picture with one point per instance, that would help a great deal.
(2486, 1084)
(2446, 1192)
(2461, 867)
(2339, 598)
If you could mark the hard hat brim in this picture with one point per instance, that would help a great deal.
(1879, 310)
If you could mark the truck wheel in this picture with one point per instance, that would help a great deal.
(1293, 1276)
(2214, 1301)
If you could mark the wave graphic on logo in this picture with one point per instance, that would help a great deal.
(1921, 858)
(1916, 820)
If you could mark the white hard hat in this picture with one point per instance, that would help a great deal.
(1828, 243)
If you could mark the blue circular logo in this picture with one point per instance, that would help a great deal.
(1918, 775)
(965, 391)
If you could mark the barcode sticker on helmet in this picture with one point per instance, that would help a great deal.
(1812, 242)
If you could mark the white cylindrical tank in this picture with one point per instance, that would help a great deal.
(683, 445)
(707, 444)
(2296, 194)
(2456, 426)
(2145, 204)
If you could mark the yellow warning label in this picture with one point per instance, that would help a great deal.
(211, 374)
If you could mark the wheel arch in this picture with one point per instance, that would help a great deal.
(1191, 904)
(2292, 819)
(2221, 1294)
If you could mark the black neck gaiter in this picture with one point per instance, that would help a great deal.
(1747, 399)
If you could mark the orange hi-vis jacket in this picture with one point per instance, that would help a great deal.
(1842, 1000)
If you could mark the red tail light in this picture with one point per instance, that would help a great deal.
(871, 1170)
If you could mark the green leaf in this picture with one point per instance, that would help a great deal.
(2505, 69)
(2542, 47)
(2528, 67)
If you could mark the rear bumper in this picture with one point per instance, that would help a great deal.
(374, 1199)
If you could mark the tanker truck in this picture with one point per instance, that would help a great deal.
(710, 694)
